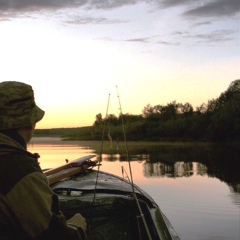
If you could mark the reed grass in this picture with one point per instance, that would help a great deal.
(138, 146)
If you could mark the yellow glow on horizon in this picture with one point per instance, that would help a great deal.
(72, 73)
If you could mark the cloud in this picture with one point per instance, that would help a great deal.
(152, 40)
(16, 8)
(141, 40)
(197, 8)
(180, 33)
(216, 8)
(108, 4)
(33, 5)
(213, 37)
(3, 19)
(216, 36)
(202, 23)
(174, 3)
(168, 43)
(93, 20)
(177, 38)
(203, 8)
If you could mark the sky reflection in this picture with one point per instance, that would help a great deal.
(200, 199)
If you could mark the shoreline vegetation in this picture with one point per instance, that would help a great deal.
(218, 121)
(150, 147)
(139, 149)
(220, 159)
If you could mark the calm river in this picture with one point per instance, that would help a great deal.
(197, 189)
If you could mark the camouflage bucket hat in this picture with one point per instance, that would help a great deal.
(17, 106)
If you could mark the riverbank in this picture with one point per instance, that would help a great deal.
(133, 147)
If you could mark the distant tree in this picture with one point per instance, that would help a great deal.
(202, 108)
(233, 92)
(129, 118)
(235, 86)
(152, 116)
(186, 109)
(147, 111)
(170, 111)
(112, 120)
(98, 120)
(211, 105)
(225, 120)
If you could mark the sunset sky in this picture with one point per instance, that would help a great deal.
(74, 53)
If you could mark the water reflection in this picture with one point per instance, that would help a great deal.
(174, 170)
(183, 181)
(217, 161)
(160, 169)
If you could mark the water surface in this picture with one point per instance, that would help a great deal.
(199, 191)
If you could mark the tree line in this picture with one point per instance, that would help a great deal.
(218, 121)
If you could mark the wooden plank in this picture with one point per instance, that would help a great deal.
(71, 164)
(65, 173)
(69, 169)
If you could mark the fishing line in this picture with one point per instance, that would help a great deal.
(101, 150)
(130, 169)
(89, 225)
(124, 171)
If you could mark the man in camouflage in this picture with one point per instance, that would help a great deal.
(28, 207)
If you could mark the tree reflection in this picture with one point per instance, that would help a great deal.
(216, 160)
(219, 161)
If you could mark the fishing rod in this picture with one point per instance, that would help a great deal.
(99, 161)
(101, 150)
(130, 169)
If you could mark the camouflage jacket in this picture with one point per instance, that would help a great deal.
(28, 207)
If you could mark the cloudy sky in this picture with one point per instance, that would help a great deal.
(75, 52)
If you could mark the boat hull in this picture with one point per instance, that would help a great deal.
(110, 207)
